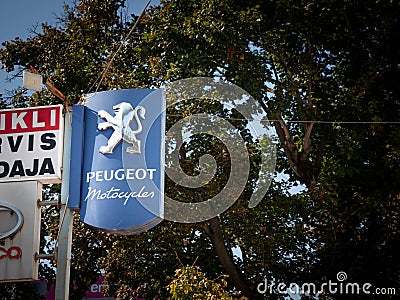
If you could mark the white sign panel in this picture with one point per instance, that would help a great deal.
(19, 230)
(31, 143)
(32, 81)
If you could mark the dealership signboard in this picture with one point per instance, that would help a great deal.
(19, 230)
(31, 148)
(117, 182)
(31, 143)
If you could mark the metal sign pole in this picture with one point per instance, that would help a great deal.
(66, 220)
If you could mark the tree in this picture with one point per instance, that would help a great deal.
(326, 74)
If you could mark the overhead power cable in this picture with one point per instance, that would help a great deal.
(290, 121)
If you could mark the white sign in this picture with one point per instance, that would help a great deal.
(32, 81)
(19, 230)
(31, 143)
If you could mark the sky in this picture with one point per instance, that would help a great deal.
(19, 17)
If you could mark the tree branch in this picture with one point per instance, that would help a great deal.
(320, 155)
(287, 143)
(307, 147)
(213, 230)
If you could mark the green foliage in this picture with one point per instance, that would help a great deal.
(21, 290)
(191, 283)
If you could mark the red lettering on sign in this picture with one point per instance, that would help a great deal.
(30, 120)
(13, 252)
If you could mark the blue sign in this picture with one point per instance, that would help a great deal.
(117, 153)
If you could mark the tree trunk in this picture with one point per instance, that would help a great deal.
(213, 230)
(298, 157)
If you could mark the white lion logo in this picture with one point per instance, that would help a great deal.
(124, 115)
